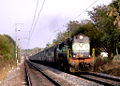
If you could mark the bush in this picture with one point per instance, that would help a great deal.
(7, 51)
(100, 62)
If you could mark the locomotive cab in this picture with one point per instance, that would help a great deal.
(80, 59)
(81, 46)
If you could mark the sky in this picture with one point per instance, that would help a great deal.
(53, 18)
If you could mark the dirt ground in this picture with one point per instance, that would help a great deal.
(14, 77)
(5, 66)
(111, 68)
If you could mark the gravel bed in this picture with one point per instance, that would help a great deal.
(66, 79)
(37, 79)
(104, 80)
(15, 77)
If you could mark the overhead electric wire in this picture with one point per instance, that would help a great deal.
(85, 9)
(81, 13)
(34, 14)
(37, 3)
(37, 17)
(34, 24)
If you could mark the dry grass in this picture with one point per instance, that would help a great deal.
(112, 69)
(107, 66)
(5, 66)
(3, 73)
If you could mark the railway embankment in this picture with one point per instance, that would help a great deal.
(14, 77)
(7, 55)
(110, 67)
(66, 79)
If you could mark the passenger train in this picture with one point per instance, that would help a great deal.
(72, 55)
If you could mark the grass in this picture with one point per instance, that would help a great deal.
(104, 65)
(5, 66)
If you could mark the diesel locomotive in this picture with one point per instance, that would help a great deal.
(71, 55)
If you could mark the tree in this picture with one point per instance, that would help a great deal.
(115, 13)
(72, 27)
(61, 36)
(48, 45)
(55, 42)
(88, 28)
(105, 24)
(36, 50)
(7, 47)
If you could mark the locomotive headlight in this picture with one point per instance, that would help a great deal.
(81, 37)
(73, 55)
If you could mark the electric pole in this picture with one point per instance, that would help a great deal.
(16, 39)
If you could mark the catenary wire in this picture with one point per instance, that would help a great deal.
(34, 15)
(41, 10)
(85, 9)
(32, 30)
(37, 3)
(37, 18)
(81, 13)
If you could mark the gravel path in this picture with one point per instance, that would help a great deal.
(15, 77)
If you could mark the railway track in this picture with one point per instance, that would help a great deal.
(100, 78)
(27, 75)
(54, 83)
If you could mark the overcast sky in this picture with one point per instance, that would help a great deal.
(53, 18)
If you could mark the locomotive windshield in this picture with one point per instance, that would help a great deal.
(81, 46)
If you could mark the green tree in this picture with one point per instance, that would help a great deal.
(48, 45)
(12, 45)
(36, 50)
(55, 42)
(72, 27)
(61, 36)
(7, 47)
(105, 24)
(4, 46)
(88, 28)
(115, 13)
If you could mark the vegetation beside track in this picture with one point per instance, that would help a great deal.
(107, 66)
(7, 54)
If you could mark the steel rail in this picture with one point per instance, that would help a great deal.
(105, 76)
(98, 76)
(49, 78)
(97, 81)
(27, 76)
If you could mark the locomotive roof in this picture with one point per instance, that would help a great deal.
(81, 37)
